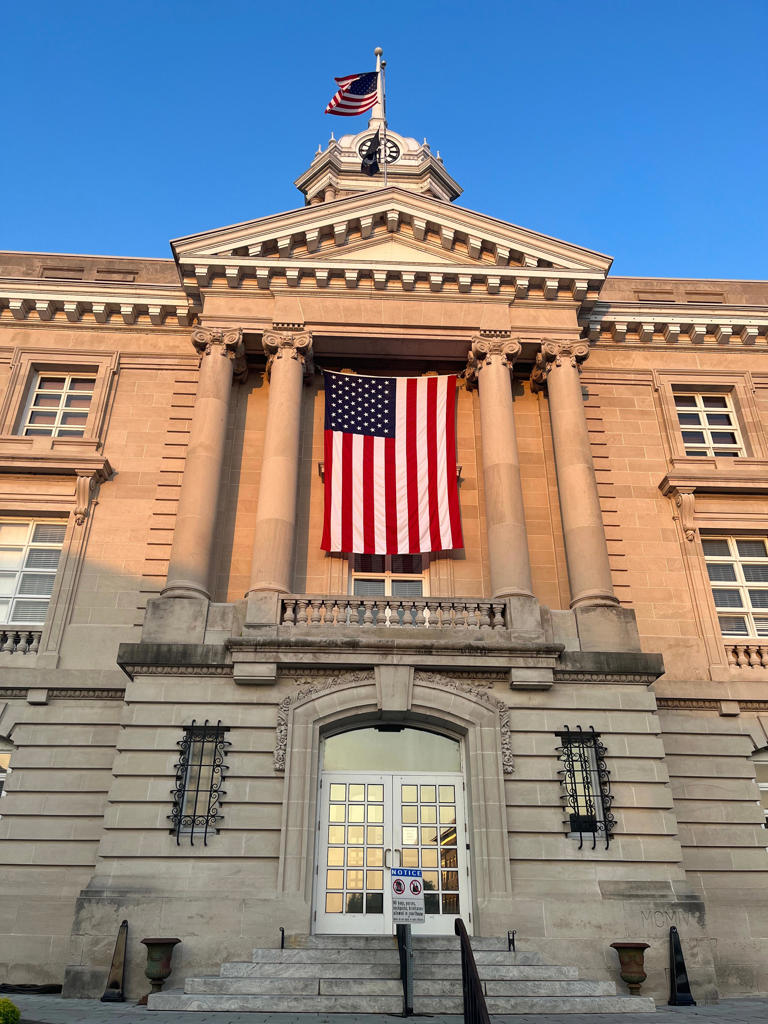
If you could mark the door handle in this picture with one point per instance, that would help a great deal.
(386, 853)
(399, 856)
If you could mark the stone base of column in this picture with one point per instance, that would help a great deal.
(262, 609)
(175, 620)
(524, 616)
(607, 628)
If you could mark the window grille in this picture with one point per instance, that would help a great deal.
(738, 571)
(708, 424)
(58, 405)
(586, 784)
(29, 557)
(388, 575)
(760, 761)
(199, 773)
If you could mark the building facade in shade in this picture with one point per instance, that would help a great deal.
(213, 728)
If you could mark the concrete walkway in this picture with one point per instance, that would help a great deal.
(54, 1010)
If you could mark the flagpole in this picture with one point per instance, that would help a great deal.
(380, 66)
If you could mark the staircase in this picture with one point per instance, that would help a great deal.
(361, 974)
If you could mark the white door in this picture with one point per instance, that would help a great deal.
(372, 821)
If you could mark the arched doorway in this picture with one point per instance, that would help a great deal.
(390, 796)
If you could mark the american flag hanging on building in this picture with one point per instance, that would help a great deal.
(357, 93)
(390, 465)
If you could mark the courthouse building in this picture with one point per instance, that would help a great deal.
(213, 728)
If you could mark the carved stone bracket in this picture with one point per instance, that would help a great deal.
(685, 502)
(282, 345)
(227, 343)
(86, 486)
(488, 349)
(552, 354)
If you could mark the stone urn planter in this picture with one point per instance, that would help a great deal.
(631, 955)
(159, 956)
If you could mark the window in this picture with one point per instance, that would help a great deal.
(709, 425)
(586, 784)
(760, 759)
(199, 772)
(5, 767)
(388, 575)
(29, 557)
(738, 572)
(58, 405)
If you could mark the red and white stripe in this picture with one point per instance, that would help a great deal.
(397, 495)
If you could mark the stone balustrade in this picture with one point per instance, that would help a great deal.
(443, 613)
(20, 641)
(747, 655)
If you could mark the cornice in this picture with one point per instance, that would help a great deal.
(714, 476)
(664, 324)
(106, 303)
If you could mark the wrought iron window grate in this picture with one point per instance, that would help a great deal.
(586, 783)
(199, 775)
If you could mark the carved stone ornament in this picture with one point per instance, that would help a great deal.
(479, 690)
(552, 354)
(226, 342)
(488, 350)
(309, 687)
(85, 488)
(685, 502)
(283, 345)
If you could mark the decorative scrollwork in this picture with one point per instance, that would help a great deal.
(227, 343)
(552, 354)
(199, 774)
(283, 345)
(487, 350)
(586, 783)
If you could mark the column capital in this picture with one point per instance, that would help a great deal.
(487, 350)
(227, 342)
(284, 345)
(552, 354)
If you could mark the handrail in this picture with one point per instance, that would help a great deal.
(475, 1010)
(405, 949)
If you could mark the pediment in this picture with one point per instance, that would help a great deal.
(391, 227)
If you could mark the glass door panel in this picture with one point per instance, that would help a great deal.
(355, 820)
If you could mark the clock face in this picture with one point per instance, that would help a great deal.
(393, 150)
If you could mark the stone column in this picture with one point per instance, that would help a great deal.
(488, 364)
(189, 572)
(558, 367)
(289, 361)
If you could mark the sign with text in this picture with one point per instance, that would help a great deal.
(407, 896)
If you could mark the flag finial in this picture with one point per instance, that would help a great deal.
(378, 114)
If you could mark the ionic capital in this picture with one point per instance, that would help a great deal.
(557, 353)
(225, 342)
(489, 351)
(282, 345)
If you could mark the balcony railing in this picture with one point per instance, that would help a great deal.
(747, 655)
(439, 613)
(19, 641)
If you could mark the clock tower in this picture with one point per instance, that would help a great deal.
(335, 171)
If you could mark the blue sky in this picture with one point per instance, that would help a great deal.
(637, 129)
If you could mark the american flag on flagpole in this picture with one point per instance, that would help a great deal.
(390, 465)
(357, 93)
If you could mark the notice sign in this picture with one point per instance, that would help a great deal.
(407, 896)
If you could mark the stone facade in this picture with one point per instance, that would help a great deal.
(191, 586)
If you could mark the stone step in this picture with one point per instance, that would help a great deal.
(289, 986)
(341, 941)
(549, 988)
(513, 972)
(540, 1004)
(482, 957)
(325, 956)
(349, 969)
(276, 1004)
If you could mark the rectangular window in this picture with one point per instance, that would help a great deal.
(5, 767)
(388, 575)
(29, 557)
(58, 405)
(199, 773)
(586, 784)
(738, 573)
(761, 776)
(708, 424)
